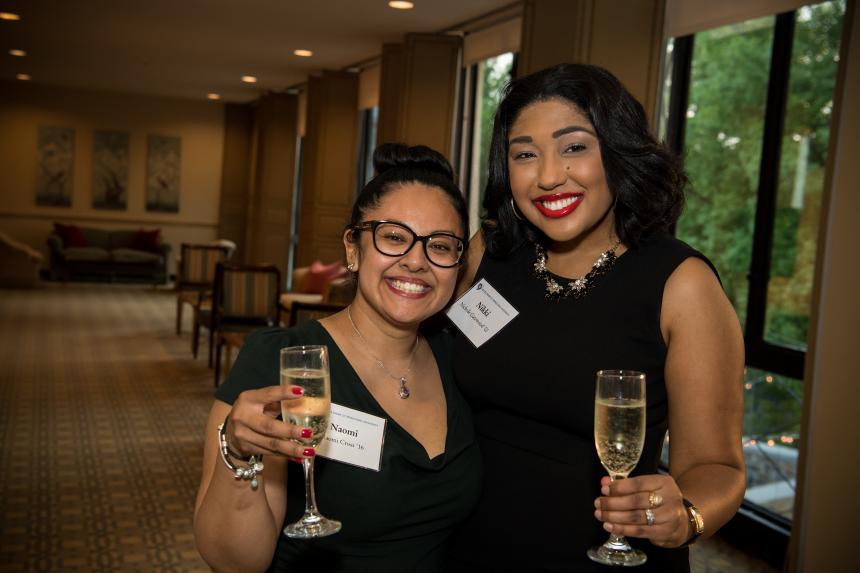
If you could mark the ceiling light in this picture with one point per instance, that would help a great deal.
(249, 79)
(9, 16)
(19, 53)
(303, 53)
(213, 96)
(23, 77)
(399, 5)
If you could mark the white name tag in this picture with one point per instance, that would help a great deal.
(354, 437)
(481, 313)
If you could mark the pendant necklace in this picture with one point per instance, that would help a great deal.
(404, 391)
(576, 288)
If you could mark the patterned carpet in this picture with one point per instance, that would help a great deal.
(101, 417)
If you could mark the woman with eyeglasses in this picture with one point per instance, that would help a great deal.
(405, 246)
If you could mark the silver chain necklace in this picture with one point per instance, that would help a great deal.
(404, 391)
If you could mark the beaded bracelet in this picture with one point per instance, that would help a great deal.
(247, 473)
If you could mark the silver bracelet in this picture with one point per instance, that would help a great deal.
(254, 466)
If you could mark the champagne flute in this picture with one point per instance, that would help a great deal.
(619, 434)
(307, 367)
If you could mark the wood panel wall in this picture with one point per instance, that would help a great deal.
(390, 92)
(235, 173)
(622, 36)
(329, 161)
(270, 204)
(429, 97)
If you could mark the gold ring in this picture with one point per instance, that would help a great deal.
(649, 516)
(655, 500)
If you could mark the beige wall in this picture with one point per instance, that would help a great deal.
(200, 125)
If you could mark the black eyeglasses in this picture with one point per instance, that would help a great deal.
(396, 239)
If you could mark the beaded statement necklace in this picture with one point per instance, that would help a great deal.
(577, 288)
(403, 393)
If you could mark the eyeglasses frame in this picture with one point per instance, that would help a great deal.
(374, 224)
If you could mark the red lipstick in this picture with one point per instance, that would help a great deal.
(557, 205)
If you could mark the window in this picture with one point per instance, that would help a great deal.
(484, 83)
(297, 201)
(366, 144)
(750, 110)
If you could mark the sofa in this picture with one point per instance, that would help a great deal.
(19, 264)
(86, 253)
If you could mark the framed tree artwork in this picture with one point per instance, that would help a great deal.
(55, 154)
(163, 163)
(110, 170)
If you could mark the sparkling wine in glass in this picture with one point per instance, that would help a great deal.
(307, 367)
(619, 434)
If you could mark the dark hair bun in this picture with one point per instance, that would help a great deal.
(389, 156)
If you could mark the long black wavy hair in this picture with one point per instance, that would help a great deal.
(396, 164)
(645, 178)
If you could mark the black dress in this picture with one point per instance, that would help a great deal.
(398, 519)
(531, 388)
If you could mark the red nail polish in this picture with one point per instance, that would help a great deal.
(308, 452)
(297, 391)
(307, 432)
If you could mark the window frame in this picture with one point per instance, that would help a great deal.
(467, 112)
(755, 528)
(759, 352)
(367, 135)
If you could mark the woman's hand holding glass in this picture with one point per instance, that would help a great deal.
(625, 506)
(619, 435)
(253, 428)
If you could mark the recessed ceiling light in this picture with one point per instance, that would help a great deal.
(213, 96)
(399, 5)
(249, 79)
(303, 53)
(19, 53)
(9, 16)
(23, 77)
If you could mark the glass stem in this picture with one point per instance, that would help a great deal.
(617, 542)
(310, 496)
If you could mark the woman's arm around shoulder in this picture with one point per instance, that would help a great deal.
(473, 260)
(704, 381)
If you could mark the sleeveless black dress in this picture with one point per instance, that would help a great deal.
(531, 388)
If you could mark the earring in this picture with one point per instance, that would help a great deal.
(514, 208)
(350, 267)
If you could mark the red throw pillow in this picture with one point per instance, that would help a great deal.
(320, 275)
(72, 236)
(147, 240)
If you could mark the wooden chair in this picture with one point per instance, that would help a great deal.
(245, 299)
(302, 312)
(195, 276)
